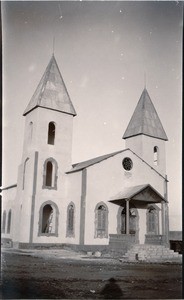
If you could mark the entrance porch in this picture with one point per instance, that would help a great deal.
(140, 220)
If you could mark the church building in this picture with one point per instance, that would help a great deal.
(56, 203)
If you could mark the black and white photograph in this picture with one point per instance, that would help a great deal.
(91, 150)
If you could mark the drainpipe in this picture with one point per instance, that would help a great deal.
(83, 207)
(163, 217)
(127, 216)
(166, 211)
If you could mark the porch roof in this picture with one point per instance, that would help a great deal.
(139, 195)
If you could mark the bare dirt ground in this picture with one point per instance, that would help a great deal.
(26, 276)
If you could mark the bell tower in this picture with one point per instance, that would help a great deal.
(47, 149)
(145, 134)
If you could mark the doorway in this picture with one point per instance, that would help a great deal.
(133, 222)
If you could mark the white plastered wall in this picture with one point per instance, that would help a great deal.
(61, 153)
(143, 146)
(105, 180)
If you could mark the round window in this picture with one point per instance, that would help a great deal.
(127, 163)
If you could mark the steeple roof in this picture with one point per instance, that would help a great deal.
(145, 120)
(51, 92)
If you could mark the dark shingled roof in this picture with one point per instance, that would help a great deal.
(51, 92)
(145, 120)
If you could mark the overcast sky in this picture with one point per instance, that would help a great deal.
(103, 50)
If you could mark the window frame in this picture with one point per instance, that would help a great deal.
(54, 174)
(70, 232)
(103, 233)
(156, 155)
(56, 211)
(127, 164)
(51, 136)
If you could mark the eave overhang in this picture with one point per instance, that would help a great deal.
(139, 196)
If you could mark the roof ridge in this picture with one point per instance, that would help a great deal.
(46, 75)
(106, 156)
(148, 164)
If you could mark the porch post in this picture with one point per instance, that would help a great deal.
(127, 216)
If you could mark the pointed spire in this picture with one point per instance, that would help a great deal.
(145, 120)
(51, 92)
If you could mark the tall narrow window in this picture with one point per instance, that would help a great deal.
(47, 225)
(4, 222)
(155, 155)
(101, 224)
(70, 220)
(101, 220)
(48, 221)
(9, 222)
(24, 173)
(50, 174)
(51, 133)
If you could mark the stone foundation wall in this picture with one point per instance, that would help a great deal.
(155, 239)
(119, 244)
(79, 248)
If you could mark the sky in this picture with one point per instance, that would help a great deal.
(107, 52)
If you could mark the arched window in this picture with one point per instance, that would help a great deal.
(9, 222)
(155, 155)
(24, 173)
(4, 222)
(47, 225)
(51, 133)
(152, 221)
(101, 221)
(48, 222)
(50, 174)
(70, 220)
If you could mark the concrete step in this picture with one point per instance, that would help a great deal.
(151, 253)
